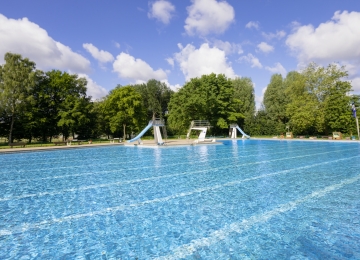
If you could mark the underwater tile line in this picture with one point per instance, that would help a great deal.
(27, 226)
(149, 178)
(246, 224)
(125, 169)
(131, 156)
(146, 179)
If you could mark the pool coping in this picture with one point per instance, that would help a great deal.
(168, 143)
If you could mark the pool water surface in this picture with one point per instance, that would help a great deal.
(244, 199)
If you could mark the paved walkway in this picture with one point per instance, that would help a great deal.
(54, 147)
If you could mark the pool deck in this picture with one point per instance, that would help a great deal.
(168, 143)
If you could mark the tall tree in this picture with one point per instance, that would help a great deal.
(124, 109)
(317, 98)
(210, 97)
(244, 91)
(155, 96)
(16, 81)
(60, 103)
(275, 102)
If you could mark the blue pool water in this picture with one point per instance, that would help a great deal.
(246, 199)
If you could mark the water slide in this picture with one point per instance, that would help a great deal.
(242, 132)
(141, 133)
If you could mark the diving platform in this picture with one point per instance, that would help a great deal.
(202, 126)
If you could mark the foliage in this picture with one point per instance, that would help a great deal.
(244, 91)
(318, 100)
(124, 109)
(275, 102)
(16, 81)
(155, 97)
(210, 97)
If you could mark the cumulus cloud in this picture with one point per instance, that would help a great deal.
(161, 10)
(208, 16)
(127, 67)
(278, 68)
(252, 24)
(30, 40)
(252, 60)
(228, 47)
(278, 35)
(264, 47)
(334, 40)
(101, 56)
(205, 60)
(93, 89)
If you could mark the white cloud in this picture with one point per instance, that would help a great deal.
(208, 16)
(252, 24)
(170, 61)
(161, 10)
(228, 47)
(252, 60)
(264, 47)
(205, 60)
(278, 35)
(101, 56)
(30, 40)
(278, 68)
(355, 83)
(93, 89)
(335, 40)
(259, 99)
(138, 70)
(175, 87)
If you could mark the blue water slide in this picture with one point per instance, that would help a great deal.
(142, 132)
(242, 132)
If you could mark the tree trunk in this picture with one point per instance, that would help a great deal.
(11, 128)
(124, 137)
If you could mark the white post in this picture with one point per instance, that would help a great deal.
(357, 125)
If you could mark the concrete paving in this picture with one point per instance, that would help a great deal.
(151, 143)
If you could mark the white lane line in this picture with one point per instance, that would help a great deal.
(26, 226)
(195, 161)
(148, 179)
(70, 158)
(51, 193)
(246, 224)
(134, 168)
(82, 159)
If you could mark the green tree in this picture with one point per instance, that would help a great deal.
(338, 117)
(155, 96)
(102, 125)
(317, 98)
(210, 97)
(124, 109)
(244, 91)
(17, 77)
(275, 102)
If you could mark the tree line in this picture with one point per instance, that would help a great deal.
(42, 105)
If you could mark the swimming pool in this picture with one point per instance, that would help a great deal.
(245, 199)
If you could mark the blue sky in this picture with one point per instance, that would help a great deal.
(127, 42)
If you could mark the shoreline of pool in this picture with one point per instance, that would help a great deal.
(168, 143)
